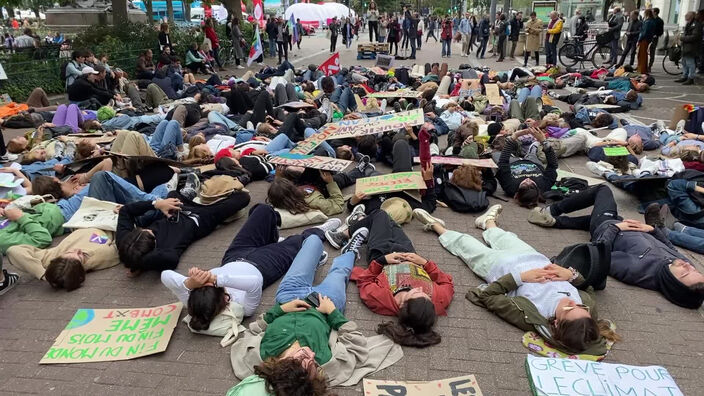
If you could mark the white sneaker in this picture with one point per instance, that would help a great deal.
(491, 214)
(8, 157)
(680, 127)
(382, 107)
(596, 169)
(239, 67)
(326, 109)
(250, 126)
(330, 225)
(424, 217)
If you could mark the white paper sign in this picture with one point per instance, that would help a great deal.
(567, 377)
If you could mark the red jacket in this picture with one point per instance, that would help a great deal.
(376, 293)
(212, 36)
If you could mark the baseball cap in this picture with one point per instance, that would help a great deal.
(88, 70)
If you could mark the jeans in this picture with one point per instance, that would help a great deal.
(215, 117)
(689, 67)
(550, 53)
(272, 47)
(604, 209)
(446, 47)
(108, 186)
(166, 137)
(482, 47)
(282, 49)
(127, 122)
(344, 99)
(385, 236)
(298, 281)
(282, 144)
(413, 47)
(43, 168)
(535, 92)
(689, 238)
(682, 204)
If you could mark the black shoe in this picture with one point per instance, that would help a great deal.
(191, 187)
(337, 239)
(681, 80)
(668, 220)
(356, 241)
(689, 82)
(11, 280)
(623, 122)
(652, 215)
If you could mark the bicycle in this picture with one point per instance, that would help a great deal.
(671, 62)
(227, 55)
(572, 52)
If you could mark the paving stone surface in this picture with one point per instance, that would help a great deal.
(475, 341)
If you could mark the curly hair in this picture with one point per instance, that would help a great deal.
(287, 377)
(468, 177)
(284, 194)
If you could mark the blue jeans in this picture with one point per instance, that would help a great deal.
(215, 117)
(535, 92)
(282, 144)
(272, 47)
(108, 186)
(344, 98)
(298, 281)
(678, 191)
(689, 67)
(166, 137)
(613, 57)
(691, 238)
(447, 47)
(127, 122)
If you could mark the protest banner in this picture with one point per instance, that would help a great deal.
(94, 213)
(401, 93)
(466, 386)
(311, 161)
(492, 93)
(615, 151)
(390, 182)
(550, 376)
(479, 163)
(99, 335)
(359, 127)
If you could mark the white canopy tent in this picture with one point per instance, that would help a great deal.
(317, 14)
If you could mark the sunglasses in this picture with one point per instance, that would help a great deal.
(570, 308)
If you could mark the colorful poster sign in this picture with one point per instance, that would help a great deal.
(311, 161)
(479, 163)
(458, 386)
(99, 335)
(390, 182)
(360, 127)
(550, 376)
(401, 93)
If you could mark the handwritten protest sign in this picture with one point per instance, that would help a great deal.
(615, 151)
(492, 93)
(390, 182)
(98, 335)
(401, 93)
(466, 386)
(311, 161)
(479, 163)
(359, 127)
(548, 376)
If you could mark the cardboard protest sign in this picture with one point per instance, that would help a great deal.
(99, 335)
(311, 161)
(466, 386)
(479, 163)
(492, 93)
(615, 151)
(359, 127)
(94, 213)
(601, 106)
(401, 93)
(390, 182)
(550, 376)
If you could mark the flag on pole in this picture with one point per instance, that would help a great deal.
(332, 65)
(256, 50)
(258, 8)
(294, 29)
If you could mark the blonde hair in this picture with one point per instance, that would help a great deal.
(194, 142)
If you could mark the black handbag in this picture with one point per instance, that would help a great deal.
(591, 259)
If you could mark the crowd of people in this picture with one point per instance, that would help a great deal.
(175, 154)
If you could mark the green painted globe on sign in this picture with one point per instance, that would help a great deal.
(81, 318)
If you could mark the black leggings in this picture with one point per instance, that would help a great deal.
(385, 236)
(393, 43)
(526, 56)
(152, 176)
(604, 209)
(3, 150)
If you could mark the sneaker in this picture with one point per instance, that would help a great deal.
(365, 166)
(652, 215)
(172, 184)
(323, 259)
(679, 130)
(491, 214)
(239, 67)
(382, 107)
(337, 239)
(681, 80)
(326, 109)
(10, 281)
(397, 107)
(689, 82)
(330, 225)
(668, 220)
(596, 168)
(191, 186)
(356, 241)
(541, 217)
(623, 122)
(356, 215)
(424, 217)
(8, 157)
(250, 126)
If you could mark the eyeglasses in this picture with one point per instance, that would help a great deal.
(584, 307)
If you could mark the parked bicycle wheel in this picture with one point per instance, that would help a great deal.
(601, 56)
(671, 62)
(569, 55)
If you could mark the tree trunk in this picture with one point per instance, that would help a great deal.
(507, 6)
(187, 11)
(36, 11)
(170, 10)
(10, 12)
(235, 7)
(492, 11)
(119, 12)
(150, 10)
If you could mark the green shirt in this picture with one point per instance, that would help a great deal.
(310, 328)
(36, 227)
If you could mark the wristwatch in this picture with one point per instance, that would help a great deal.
(574, 276)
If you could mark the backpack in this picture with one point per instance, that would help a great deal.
(63, 70)
(566, 187)
(464, 200)
(592, 260)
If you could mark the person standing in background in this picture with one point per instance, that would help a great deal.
(534, 27)
(615, 26)
(500, 31)
(432, 25)
(164, 39)
(421, 27)
(632, 34)
(516, 27)
(647, 32)
(373, 18)
(464, 31)
(383, 23)
(271, 32)
(334, 31)
(446, 37)
(574, 21)
(691, 46)
(659, 31)
(484, 32)
(214, 41)
(236, 36)
(301, 32)
(552, 38)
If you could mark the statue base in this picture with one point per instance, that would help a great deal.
(69, 19)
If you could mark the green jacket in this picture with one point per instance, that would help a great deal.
(520, 312)
(36, 227)
(250, 386)
(331, 206)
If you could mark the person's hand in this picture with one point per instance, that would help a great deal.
(634, 225)
(672, 144)
(295, 306)
(13, 214)
(326, 305)
(167, 205)
(537, 275)
(539, 135)
(197, 278)
(260, 152)
(467, 141)
(558, 273)
(414, 258)
(59, 168)
(690, 136)
(326, 176)
(427, 172)
(394, 258)
(117, 208)
(430, 115)
(261, 139)
(357, 198)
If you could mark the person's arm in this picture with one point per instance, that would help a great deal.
(504, 172)
(374, 289)
(251, 285)
(444, 288)
(333, 205)
(175, 282)
(273, 313)
(550, 172)
(127, 217)
(104, 165)
(26, 258)
(494, 299)
(190, 58)
(26, 183)
(30, 231)
(557, 28)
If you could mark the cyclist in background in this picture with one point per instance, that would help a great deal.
(581, 32)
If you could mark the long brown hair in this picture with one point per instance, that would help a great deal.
(578, 334)
(416, 319)
(284, 194)
(468, 177)
(287, 377)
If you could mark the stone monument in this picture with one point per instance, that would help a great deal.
(74, 15)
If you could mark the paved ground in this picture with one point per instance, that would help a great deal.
(474, 341)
